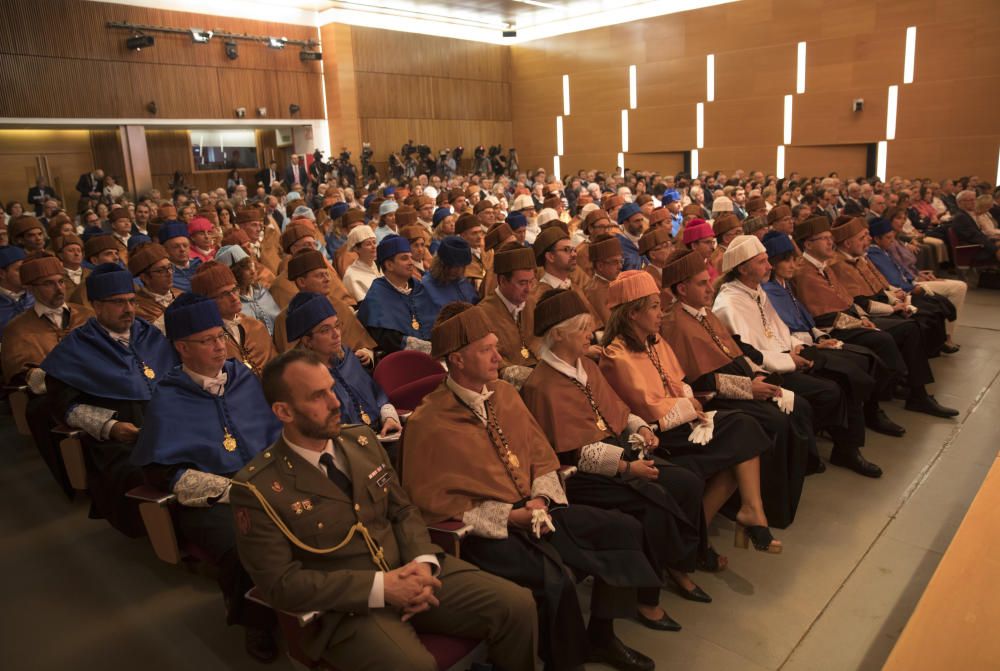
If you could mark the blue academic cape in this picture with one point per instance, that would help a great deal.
(631, 258)
(442, 294)
(675, 223)
(89, 360)
(10, 308)
(385, 307)
(894, 273)
(261, 306)
(333, 243)
(355, 386)
(182, 276)
(184, 424)
(791, 311)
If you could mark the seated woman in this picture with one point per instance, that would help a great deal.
(645, 373)
(359, 275)
(591, 428)
(445, 280)
(256, 299)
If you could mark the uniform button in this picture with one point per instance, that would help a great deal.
(385, 489)
(319, 525)
(267, 455)
(357, 507)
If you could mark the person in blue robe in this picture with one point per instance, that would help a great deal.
(397, 311)
(313, 322)
(206, 420)
(256, 300)
(173, 236)
(100, 378)
(445, 281)
(336, 238)
(632, 223)
(14, 299)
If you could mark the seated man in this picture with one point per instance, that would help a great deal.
(606, 258)
(324, 524)
(470, 229)
(247, 339)
(100, 378)
(743, 306)
(514, 268)
(726, 227)
(591, 428)
(173, 235)
(714, 363)
(968, 231)
(205, 421)
(14, 299)
(446, 281)
(150, 264)
(473, 452)
(632, 223)
(398, 311)
(69, 249)
(555, 255)
(315, 325)
(657, 245)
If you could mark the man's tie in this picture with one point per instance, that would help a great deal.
(336, 476)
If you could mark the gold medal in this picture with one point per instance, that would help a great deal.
(366, 418)
(514, 461)
(415, 324)
(525, 354)
(601, 425)
(247, 364)
(148, 372)
(229, 442)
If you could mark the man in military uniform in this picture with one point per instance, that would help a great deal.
(338, 534)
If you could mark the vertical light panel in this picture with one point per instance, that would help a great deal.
(700, 125)
(565, 95)
(800, 69)
(998, 169)
(788, 119)
(556, 167)
(559, 135)
(621, 163)
(911, 51)
(633, 95)
(890, 113)
(710, 77)
(880, 159)
(780, 167)
(694, 163)
(624, 130)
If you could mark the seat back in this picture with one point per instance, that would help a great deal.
(403, 367)
(963, 256)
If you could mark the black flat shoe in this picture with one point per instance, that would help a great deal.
(260, 644)
(851, 458)
(665, 623)
(880, 423)
(950, 349)
(694, 594)
(712, 561)
(620, 656)
(929, 406)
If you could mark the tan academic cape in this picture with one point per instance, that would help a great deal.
(563, 411)
(79, 295)
(821, 295)
(270, 249)
(634, 377)
(512, 337)
(597, 294)
(583, 259)
(352, 332)
(716, 258)
(70, 284)
(28, 338)
(283, 289)
(257, 348)
(695, 349)
(477, 269)
(450, 465)
(147, 307)
(343, 259)
(859, 277)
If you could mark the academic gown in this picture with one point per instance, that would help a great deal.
(260, 305)
(357, 391)
(631, 258)
(452, 465)
(391, 316)
(185, 428)
(898, 276)
(254, 347)
(443, 293)
(10, 308)
(89, 367)
(515, 340)
(182, 276)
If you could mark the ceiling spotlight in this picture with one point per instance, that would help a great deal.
(139, 42)
(232, 51)
(277, 42)
(306, 55)
(199, 36)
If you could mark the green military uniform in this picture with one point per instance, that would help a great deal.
(320, 515)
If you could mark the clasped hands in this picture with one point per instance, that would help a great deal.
(524, 517)
(410, 588)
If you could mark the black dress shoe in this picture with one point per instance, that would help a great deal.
(880, 423)
(694, 594)
(815, 465)
(620, 656)
(950, 349)
(260, 644)
(929, 406)
(665, 623)
(850, 457)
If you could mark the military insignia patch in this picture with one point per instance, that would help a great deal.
(297, 507)
(243, 521)
(276, 487)
(362, 441)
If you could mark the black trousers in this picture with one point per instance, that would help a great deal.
(912, 346)
(832, 409)
(899, 351)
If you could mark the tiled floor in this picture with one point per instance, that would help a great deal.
(78, 596)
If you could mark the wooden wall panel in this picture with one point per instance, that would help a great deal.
(939, 158)
(847, 160)
(667, 128)
(343, 121)
(733, 123)
(106, 147)
(665, 163)
(749, 158)
(959, 106)
(592, 132)
(826, 117)
(66, 153)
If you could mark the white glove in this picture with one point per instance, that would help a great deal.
(702, 432)
(539, 520)
(786, 401)
(637, 443)
(36, 381)
(417, 344)
(365, 355)
(516, 375)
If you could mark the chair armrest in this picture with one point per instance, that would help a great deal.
(147, 494)
(449, 534)
(64, 431)
(403, 416)
(566, 472)
(10, 388)
(968, 246)
(303, 618)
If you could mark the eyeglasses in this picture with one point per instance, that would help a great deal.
(117, 302)
(566, 250)
(235, 291)
(207, 340)
(168, 270)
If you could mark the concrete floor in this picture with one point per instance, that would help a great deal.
(77, 595)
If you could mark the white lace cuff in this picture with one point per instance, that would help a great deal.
(600, 459)
(634, 423)
(388, 411)
(418, 345)
(734, 386)
(682, 412)
(550, 487)
(96, 421)
(846, 321)
(36, 381)
(878, 308)
(688, 391)
(199, 489)
(488, 519)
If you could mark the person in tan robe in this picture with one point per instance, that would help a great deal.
(656, 244)
(499, 235)
(98, 249)
(69, 249)
(556, 258)
(472, 452)
(504, 307)
(470, 228)
(726, 226)
(606, 259)
(264, 240)
(298, 237)
(151, 264)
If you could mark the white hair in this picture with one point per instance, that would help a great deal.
(576, 323)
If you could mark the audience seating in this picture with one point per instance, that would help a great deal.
(407, 376)
(18, 399)
(71, 449)
(965, 257)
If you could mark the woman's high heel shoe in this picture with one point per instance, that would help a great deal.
(760, 536)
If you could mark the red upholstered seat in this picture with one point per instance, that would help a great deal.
(407, 376)
(408, 396)
(963, 256)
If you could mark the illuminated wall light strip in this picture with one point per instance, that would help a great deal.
(694, 163)
(621, 162)
(880, 160)
(556, 167)
(700, 125)
(787, 135)
(910, 54)
(780, 168)
(624, 130)
(998, 169)
(632, 91)
(559, 135)
(800, 69)
(710, 77)
(565, 95)
(890, 114)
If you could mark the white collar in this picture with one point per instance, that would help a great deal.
(213, 385)
(474, 399)
(514, 310)
(43, 311)
(555, 282)
(633, 238)
(311, 456)
(74, 273)
(697, 314)
(850, 257)
(124, 338)
(820, 265)
(405, 292)
(576, 372)
(371, 269)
